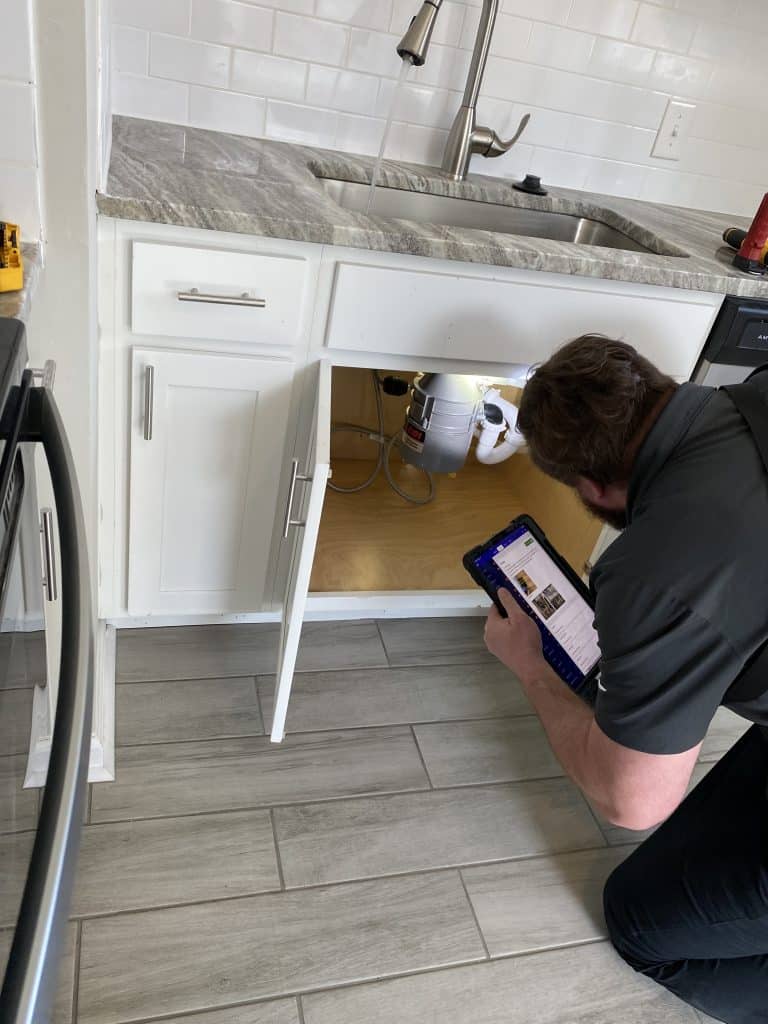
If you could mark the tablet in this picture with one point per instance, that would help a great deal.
(521, 559)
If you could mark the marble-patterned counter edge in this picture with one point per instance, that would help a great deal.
(171, 174)
(474, 246)
(18, 304)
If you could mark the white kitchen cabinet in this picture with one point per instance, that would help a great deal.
(216, 443)
(207, 440)
(192, 521)
(303, 510)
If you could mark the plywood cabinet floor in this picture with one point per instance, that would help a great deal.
(375, 540)
(389, 862)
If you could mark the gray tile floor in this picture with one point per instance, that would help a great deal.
(411, 853)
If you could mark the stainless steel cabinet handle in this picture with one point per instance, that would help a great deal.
(149, 401)
(49, 556)
(295, 475)
(244, 299)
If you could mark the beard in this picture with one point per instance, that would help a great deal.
(615, 517)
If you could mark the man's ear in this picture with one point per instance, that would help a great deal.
(590, 490)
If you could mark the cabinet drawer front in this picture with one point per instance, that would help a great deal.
(210, 282)
(456, 316)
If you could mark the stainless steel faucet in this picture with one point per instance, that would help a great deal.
(466, 137)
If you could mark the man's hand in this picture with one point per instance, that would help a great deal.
(516, 640)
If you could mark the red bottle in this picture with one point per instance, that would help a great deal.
(749, 256)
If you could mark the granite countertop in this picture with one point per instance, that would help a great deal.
(17, 304)
(170, 174)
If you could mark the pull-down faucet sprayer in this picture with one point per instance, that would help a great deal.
(415, 43)
(466, 137)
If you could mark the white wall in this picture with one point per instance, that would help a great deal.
(63, 322)
(19, 164)
(596, 74)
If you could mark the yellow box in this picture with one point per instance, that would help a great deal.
(11, 265)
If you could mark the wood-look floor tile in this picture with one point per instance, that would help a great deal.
(15, 720)
(22, 656)
(569, 986)
(498, 750)
(138, 864)
(724, 730)
(196, 709)
(15, 853)
(18, 806)
(441, 828)
(455, 641)
(219, 775)
(431, 693)
(616, 835)
(544, 902)
(277, 1011)
(175, 961)
(62, 1002)
(211, 652)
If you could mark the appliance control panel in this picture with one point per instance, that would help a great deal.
(739, 336)
(754, 333)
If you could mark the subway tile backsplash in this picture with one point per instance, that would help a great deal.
(596, 75)
(19, 182)
(263, 75)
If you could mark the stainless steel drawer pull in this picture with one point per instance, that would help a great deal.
(49, 556)
(244, 299)
(149, 402)
(295, 475)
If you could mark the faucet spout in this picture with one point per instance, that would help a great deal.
(466, 138)
(415, 43)
(480, 51)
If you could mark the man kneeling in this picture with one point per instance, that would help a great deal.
(681, 601)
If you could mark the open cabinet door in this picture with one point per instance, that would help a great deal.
(307, 522)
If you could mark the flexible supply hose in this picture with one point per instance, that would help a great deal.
(385, 445)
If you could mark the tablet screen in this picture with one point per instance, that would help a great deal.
(522, 565)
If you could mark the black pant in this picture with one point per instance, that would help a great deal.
(689, 908)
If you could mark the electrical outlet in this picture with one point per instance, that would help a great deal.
(674, 130)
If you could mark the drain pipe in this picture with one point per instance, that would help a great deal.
(499, 417)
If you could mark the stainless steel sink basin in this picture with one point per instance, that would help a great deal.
(470, 213)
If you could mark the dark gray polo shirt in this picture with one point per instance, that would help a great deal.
(682, 595)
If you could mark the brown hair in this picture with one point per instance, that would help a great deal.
(582, 408)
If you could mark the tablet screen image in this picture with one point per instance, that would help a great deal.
(517, 561)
